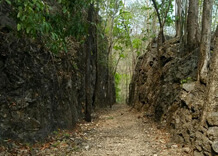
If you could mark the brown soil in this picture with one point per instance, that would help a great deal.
(121, 132)
(113, 132)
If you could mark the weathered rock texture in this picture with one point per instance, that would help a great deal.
(40, 91)
(174, 97)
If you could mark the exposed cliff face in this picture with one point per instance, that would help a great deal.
(40, 91)
(173, 96)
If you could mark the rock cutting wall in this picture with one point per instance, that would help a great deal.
(174, 97)
(40, 91)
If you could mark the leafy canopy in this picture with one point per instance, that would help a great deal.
(51, 21)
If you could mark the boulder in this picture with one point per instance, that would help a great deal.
(189, 86)
(215, 146)
(212, 119)
(212, 133)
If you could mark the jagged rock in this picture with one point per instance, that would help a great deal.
(198, 148)
(172, 93)
(196, 153)
(186, 149)
(41, 92)
(212, 119)
(202, 141)
(189, 86)
(215, 146)
(212, 133)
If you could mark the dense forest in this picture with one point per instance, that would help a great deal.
(64, 61)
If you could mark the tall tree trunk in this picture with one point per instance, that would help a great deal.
(185, 5)
(116, 65)
(96, 50)
(192, 25)
(211, 102)
(126, 85)
(205, 41)
(110, 49)
(205, 53)
(89, 43)
(213, 79)
(178, 18)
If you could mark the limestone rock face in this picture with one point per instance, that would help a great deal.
(212, 119)
(215, 146)
(41, 92)
(212, 133)
(172, 96)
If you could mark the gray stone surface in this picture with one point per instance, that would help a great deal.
(215, 146)
(212, 133)
(212, 119)
(189, 86)
(197, 153)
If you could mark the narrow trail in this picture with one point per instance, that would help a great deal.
(120, 132)
(113, 132)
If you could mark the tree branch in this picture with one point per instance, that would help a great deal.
(157, 11)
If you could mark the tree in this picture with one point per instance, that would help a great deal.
(213, 78)
(162, 16)
(178, 21)
(192, 25)
(205, 41)
(162, 11)
(90, 49)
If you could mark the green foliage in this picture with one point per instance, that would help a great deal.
(186, 80)
(169, 20)
(122, 55)
(121, 81)
(30, 20)
(118, 47)
(137, 43)
(145, 8)
(163, 9)
(51, 22)
(8, 1)
(117, 81)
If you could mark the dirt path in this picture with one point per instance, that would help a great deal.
(120, 132)
(114, 132)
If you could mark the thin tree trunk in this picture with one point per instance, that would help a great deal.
(178, 18)
(88, 108)
(110, 49)
(126, 85)
(185, 20)
(210, 104)
(205, 41)
(95, 93)
(205, 51)
(158, 13)
(160, 35)
(213, 79)
(115, 69)
(161, 39)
